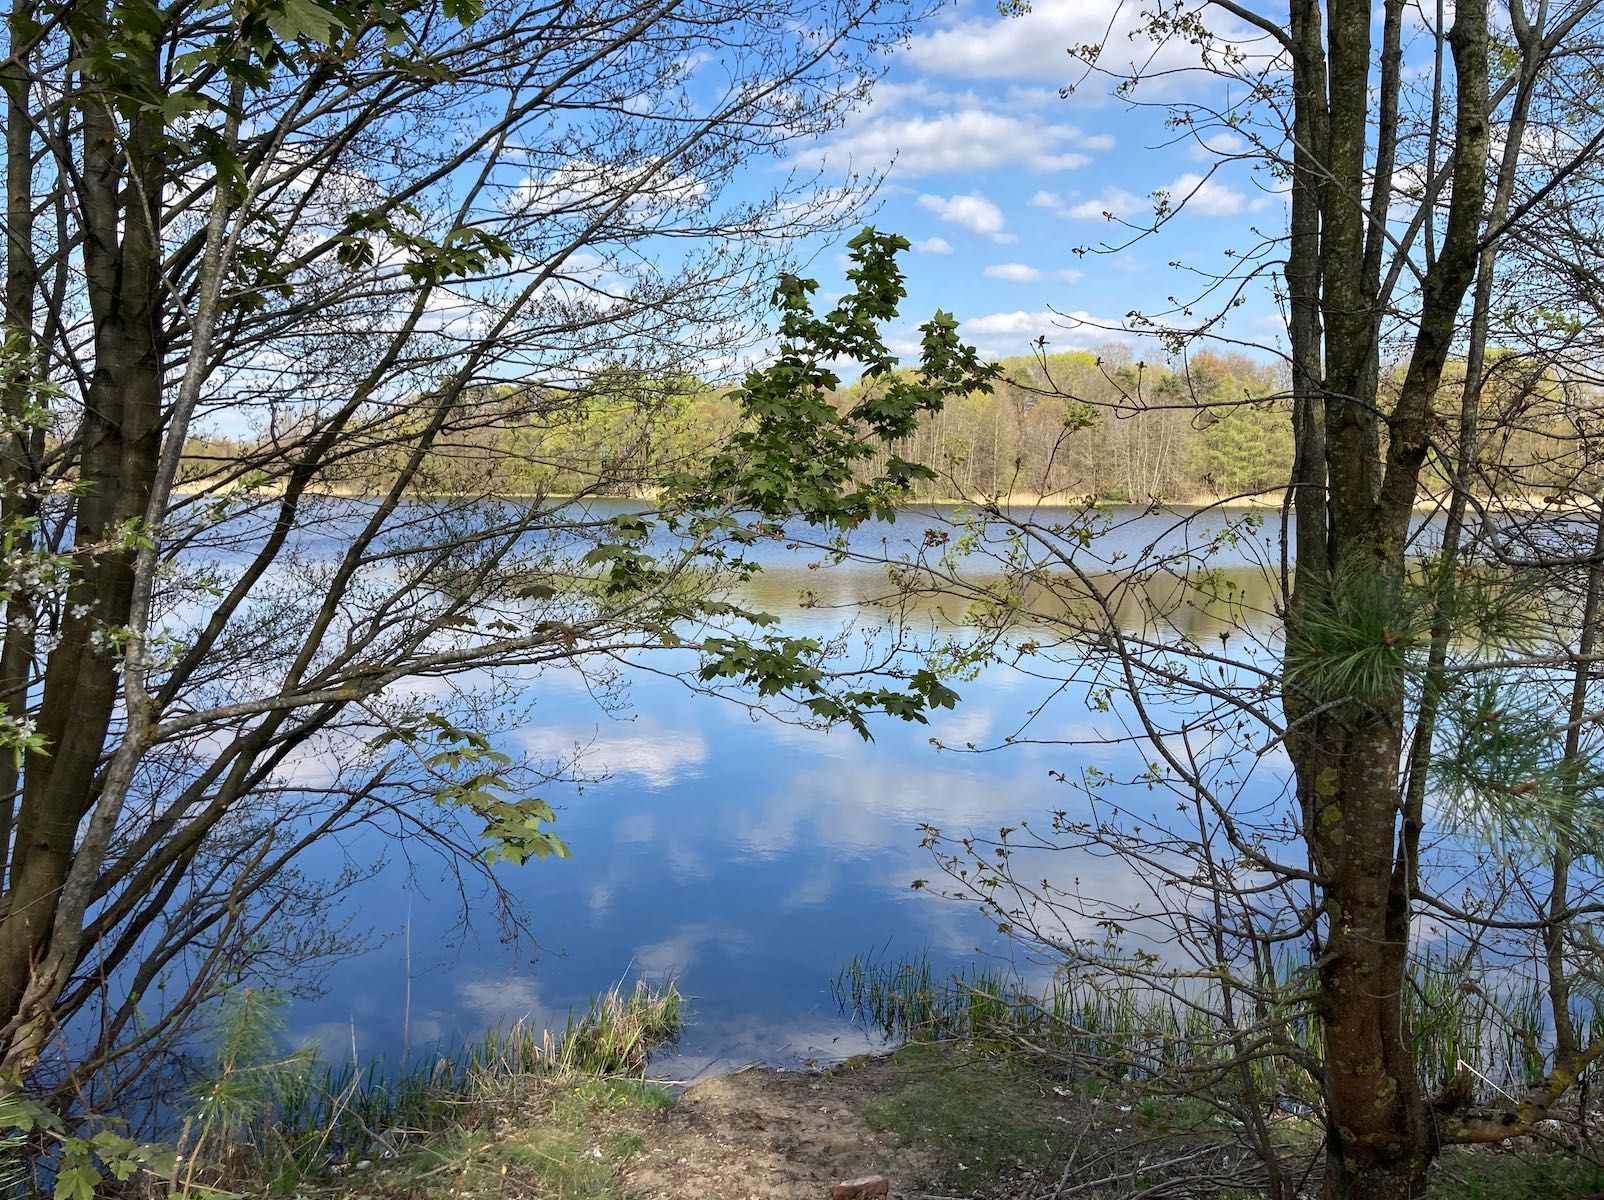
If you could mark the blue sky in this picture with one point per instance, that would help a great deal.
(996, 178)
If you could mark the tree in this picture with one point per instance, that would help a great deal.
(343, 235)
(1420, 683)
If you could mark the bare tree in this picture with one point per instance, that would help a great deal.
(1415, 634)
(351, 239)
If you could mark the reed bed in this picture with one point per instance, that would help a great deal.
(1168, 1028)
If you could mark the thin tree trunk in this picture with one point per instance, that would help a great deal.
(19, 476)
(120, 443)
(1566, 1043)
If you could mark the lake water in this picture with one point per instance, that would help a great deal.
(745, 858)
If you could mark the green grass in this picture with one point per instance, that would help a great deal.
(559, 1146)
(1480, 1174)
(559, 1152)
(342, 1114)
(983, 1109)
(620, 1092)
(1152, 1053)
(1134, 1032)
(617, 1033)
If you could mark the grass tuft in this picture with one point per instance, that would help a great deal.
(345, 1114)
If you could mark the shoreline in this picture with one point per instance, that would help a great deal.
(928, 1121)
(1011, 502)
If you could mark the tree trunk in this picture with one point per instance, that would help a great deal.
(19, 474)
(1351, 504)
(1378, 1141)
(120, 437)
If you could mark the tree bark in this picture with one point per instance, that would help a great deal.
(122, 182)
(1363, 845)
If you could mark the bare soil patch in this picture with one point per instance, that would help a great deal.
(778, 1135)
(935, 1122)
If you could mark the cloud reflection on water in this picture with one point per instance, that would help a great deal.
(748, 859)
(653, 755)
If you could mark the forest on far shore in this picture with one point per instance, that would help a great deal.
(1070, 424)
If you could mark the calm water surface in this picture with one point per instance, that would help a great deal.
(746, 859)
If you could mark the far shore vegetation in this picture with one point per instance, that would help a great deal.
(1059, 427)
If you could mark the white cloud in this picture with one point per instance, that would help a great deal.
(1014, 324)
(1069, 275)
(969, 724)
(967, 139)
(635, 827)
(1205, 197)
(1004, 333)
(1200, 194)
(1217, 144)
(906, 344)
(1269, 327)
(669, 958)
(932, 245)
(1013, 272)
(813, 889)
(1197, 194)
(1113, 202)
(496, 999)
(1035, 46)
(583, 184)
(972, 211)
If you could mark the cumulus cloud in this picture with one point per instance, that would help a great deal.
(671, 957)
(932, 245)
(1111, 203)
(967, 139)
(495, 999)
(583, 184)
(972, 211)
(1216, 144)
(1199, 195)
(1003, 333)
(1033, 46)
(1013, 272)
(1012, 324)
(1205, 197)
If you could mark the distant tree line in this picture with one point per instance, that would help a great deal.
(1075, 423)
(1072, 424)
(1098, 423)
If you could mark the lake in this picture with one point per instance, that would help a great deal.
(743, 857)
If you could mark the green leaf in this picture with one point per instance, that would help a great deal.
(77, 1182)
(302, 20)
(178, 104)
(18, 1110)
